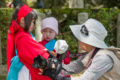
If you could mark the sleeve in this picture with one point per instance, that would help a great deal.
(67, 59)
(75, 67)
(101, 64)
(28, 49)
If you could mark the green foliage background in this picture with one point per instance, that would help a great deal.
(108, 17)
(5, 19)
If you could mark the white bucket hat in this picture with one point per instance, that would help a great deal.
(91, 32)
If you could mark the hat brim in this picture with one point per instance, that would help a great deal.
(90, 39)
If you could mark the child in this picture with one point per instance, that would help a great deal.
(49, 30)
(20, 40)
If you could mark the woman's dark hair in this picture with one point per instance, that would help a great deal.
(28, 18)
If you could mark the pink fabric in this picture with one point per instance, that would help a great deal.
(51, 23)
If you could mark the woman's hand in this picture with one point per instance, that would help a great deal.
(41, 70)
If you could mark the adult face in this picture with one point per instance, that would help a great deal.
(85, 46)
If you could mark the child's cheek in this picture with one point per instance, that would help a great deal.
(53, 36)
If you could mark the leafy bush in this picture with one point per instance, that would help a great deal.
(5, 20)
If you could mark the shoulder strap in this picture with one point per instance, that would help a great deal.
(94, 53)
(74, 55)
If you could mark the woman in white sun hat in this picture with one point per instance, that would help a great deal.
(99, 63)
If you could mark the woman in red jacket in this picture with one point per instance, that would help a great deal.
(27, 48)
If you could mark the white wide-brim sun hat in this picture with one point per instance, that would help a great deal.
(91, 32)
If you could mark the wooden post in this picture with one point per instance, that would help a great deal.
(118, 31)
(76, 3)
(38, 35)
(3, 71)
(82, 17)
(0, 50)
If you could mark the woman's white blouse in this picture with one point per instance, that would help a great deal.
(101, 63)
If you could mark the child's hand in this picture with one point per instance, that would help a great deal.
(54, 53)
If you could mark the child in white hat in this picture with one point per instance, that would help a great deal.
(100, 63)
(49, 30)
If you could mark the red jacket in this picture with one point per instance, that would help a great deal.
(28, 49)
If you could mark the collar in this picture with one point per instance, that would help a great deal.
(87, 57)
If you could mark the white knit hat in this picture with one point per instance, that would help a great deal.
(51, 23)
(91, 32)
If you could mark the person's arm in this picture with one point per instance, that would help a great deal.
(100, 65)
(74, 66)
(67, 59)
